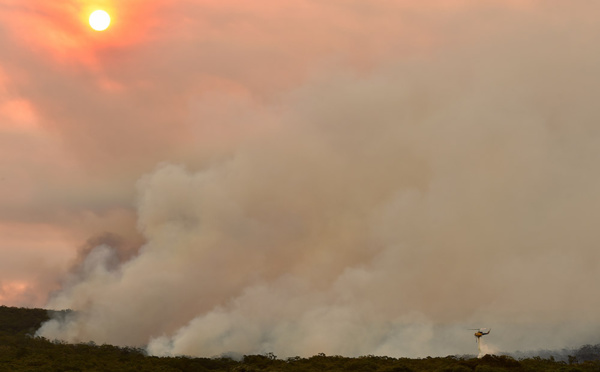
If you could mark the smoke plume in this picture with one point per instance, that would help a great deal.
(375, 211)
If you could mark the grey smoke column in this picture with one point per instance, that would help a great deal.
(357, 223)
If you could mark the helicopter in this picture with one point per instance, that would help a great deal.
(480, 332)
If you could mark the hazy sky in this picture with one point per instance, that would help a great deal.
(301, 176)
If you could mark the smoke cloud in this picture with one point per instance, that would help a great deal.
(376, 213)
(302, 177)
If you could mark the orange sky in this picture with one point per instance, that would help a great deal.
(84, 115)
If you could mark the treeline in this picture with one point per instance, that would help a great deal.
(20, 351)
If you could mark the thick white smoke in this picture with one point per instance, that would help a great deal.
(381, 214)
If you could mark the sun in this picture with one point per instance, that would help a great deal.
(99, 20)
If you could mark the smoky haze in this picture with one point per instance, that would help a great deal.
(381, 211)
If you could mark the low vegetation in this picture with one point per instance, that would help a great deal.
(20, 351)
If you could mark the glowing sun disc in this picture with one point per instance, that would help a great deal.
(99, 20)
